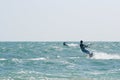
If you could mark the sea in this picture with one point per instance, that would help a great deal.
(54, 61)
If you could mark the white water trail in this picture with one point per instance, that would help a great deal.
(72, 45)
(102, 55)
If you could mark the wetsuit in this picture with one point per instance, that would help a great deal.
(64, 43)
(82, 46)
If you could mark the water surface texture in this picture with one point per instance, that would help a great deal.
(53, 61)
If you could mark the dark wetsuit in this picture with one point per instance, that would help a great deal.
(64, 43)
(82, 46)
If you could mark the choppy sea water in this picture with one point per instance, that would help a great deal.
(53, 61)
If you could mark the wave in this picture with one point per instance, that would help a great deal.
(19, 60)
(102, 55)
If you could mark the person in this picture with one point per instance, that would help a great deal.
(84, 50)
(64, 43)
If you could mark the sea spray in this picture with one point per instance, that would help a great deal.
(102, 55)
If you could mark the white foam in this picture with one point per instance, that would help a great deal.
(102, 55)
(37, 59)
(73, 45)
(16, 60)
(2, 59)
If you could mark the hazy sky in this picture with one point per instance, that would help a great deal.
(61, 20)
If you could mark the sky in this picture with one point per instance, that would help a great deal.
(59, 20)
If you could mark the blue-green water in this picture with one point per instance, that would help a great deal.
(53, 61)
